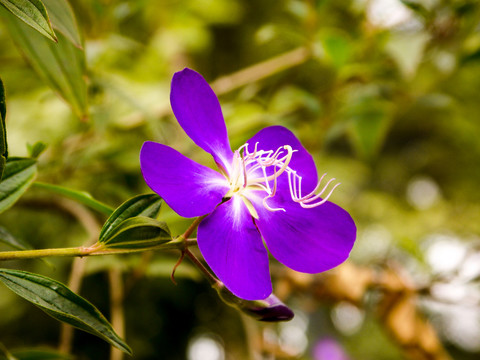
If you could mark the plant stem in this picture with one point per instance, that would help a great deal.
(181, 243)
(184, 239)
(210, 277)
(192, 227)
(81, 251)
(41, 253)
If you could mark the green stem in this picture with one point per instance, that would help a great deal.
(180, 243)
(80, 196)
(94, 250)
(41, 253)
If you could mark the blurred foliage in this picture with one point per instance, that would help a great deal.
(387, 102)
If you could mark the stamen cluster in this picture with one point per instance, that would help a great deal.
(257, 169)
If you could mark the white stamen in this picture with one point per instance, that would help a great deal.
(305, 201)
(272, 194)
(245, 174)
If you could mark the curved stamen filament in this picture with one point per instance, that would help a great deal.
(306, 201)
(272, 194)
(303, 204)
(310, 199)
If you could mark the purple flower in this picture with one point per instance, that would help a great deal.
(329, 349)
(265, 189)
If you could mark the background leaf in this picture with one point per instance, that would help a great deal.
(63, 20)
(62, 304)
(9, 239)
(82, 197)
(38, 354)
(33, 13)
(17, 178)
(35, 150)
(3, 130)
(147, 205)
(61, 65)
(8, 355)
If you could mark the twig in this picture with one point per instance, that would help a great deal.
(248, 75)
(116, 308)
(253, 337)
(77, 272)
(261, 70)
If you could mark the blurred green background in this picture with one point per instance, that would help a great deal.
(383, 93)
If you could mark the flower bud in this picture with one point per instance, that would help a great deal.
(270, 309)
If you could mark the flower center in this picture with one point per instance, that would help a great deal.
(260, 169)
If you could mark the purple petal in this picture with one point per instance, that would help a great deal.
(307, 240)
(198, 112)
(189, 188)
(233, 248)
(273, 137)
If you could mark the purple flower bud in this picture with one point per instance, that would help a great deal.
(270, 309)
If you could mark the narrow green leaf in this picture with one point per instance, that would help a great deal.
(37, 354)
(9, 239)
(82, 197)
(32, 13)
(63, 20)
(417, 7)
(36, 149)
(3, 130)
(17, 178)
(8, 355)
(62, 304)
(138, 232)
(147, 205)
(61, 65)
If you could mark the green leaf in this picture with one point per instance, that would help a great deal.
(417, 7)
(80, 196)
(8, 355)
(61, 65)
(9, 239)
(17, 178)
(337, 47)
(36, 149)
(32, 13)
(147, 205)
(63, 20)
(3, 130)
(370, 120)
(407, 51)
(137, 233)
(62, 304)
(37, 354)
